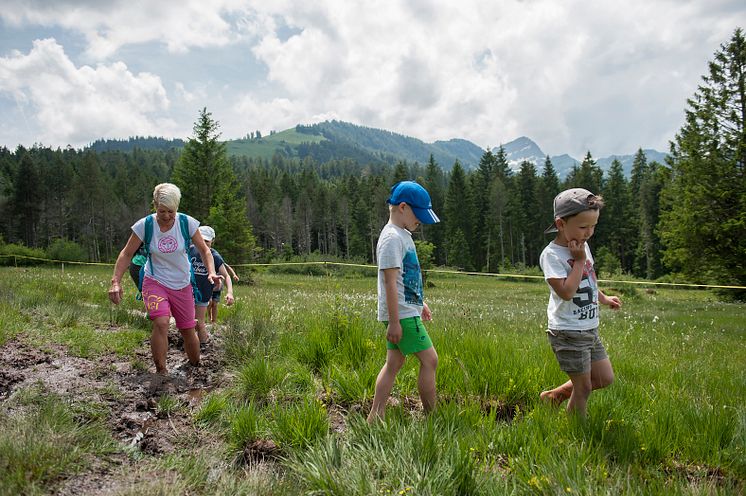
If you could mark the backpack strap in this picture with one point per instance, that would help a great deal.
(184, 225)
(144, 251)
(148, 239)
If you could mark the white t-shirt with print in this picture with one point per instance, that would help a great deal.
(581, 311)
(396, 250)
(170, 263)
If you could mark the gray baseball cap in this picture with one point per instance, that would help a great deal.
(570, 202)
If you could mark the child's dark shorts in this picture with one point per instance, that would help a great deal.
(575, 350)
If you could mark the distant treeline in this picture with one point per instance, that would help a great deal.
(140, 142)
(492, 218)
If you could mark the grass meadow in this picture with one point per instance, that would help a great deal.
(302, 353)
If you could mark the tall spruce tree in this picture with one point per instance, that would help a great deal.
(481, 181)
(648, 255)
(588, 175)
(27, 199)
(548, 188)
(639, 172)
(401, 172)
(614, 229)
(704, 227)
(528, 230)
(459, 215)
(210, 191)
(203, 172)
(495, 250)
(434, 183)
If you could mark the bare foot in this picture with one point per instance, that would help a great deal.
(554, 397)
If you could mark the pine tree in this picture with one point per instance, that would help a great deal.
(704, 228)
(639, 172)
(548, 188)
(434, 183)
(528, 231)
(27, 200)
(495, 248)
(210, 191)
(613, 230)
(588, 175)
(203, 172)
(234, 239)
(400, 173)
(648, 255)
(481, 180)
(502, 168)
(459, 215)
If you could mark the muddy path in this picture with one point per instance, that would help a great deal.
(133, 395)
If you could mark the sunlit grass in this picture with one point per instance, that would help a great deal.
(301, 349)
(49, 439)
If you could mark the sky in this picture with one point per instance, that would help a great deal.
(574, 75)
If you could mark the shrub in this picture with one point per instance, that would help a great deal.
(63, 249)
(13, 254)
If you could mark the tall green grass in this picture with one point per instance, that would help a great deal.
(45, 438)
(303, 353)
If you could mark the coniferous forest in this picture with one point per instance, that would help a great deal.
(684, 218)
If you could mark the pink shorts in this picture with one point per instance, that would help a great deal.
(160, 300)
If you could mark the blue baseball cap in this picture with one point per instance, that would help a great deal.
(417, 198)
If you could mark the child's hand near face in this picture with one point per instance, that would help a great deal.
(577, 249)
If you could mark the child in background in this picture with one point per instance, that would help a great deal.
(400, 304)
(574, 298)
(205, 286)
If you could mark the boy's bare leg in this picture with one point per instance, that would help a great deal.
(426, 380)
(581, 390)
(191, 345)
(199, 313)
(602, 375)
(213, 307)
(159, 343)
(384, 383)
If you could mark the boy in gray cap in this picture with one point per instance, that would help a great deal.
(574, 300)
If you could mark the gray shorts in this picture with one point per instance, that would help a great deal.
(575, 350)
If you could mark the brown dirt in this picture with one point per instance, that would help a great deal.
(131, 395)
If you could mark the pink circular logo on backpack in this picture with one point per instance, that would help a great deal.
(168, 244)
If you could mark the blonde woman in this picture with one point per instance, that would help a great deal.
(166, 286)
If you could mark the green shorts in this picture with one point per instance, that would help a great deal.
(414, 337)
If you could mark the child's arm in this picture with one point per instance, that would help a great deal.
(233, 272)
(567, 287)
(229, 285)
(393, 331)
(614, 302)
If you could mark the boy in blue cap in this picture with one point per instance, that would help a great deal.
(400, 303)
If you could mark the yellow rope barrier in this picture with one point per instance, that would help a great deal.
(438, 271)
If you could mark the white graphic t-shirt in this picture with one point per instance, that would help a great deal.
(581, 312)
(396, 250)
(170, 263)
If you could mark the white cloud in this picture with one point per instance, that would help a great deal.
(77, 105)
(110, 25)
(572, 75)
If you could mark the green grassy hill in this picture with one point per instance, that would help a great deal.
(336, 140)
(284, 142)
